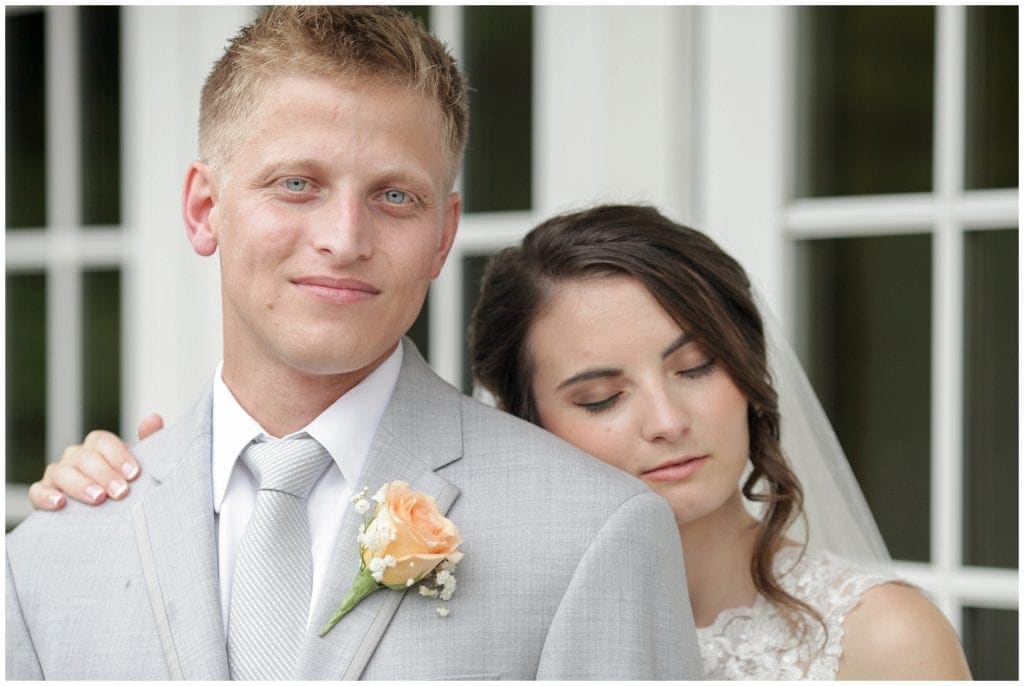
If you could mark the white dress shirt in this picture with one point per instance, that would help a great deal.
(345, 429)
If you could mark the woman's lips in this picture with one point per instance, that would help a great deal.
(675, 470)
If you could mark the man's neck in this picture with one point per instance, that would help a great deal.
(284, 400)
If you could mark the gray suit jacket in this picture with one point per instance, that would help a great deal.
(572, 569)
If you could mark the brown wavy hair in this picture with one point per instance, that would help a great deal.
(698, 284)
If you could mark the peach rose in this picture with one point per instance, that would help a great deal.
(407, 538)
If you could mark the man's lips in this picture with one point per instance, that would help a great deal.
(675, 470)
(335, 289)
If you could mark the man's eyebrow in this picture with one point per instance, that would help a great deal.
(676, 345)
(588, 375)
(275, 166)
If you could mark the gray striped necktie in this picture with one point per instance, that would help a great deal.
(270, 592)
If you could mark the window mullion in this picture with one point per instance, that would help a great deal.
(947, 303)
(446, 328)
(64, 411)
(63, 158)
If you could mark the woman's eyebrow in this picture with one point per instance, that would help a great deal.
(587, 375)
(676, 345)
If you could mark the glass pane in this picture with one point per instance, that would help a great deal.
(420, 331)
(499, 61)
(472, 273)
(865, 99)
(867, 349)
(990, 398)
(421, 12)
(990, 642)
(992, 153)
(26, 120)
(26, 377)
(101, 350)
(100, 92)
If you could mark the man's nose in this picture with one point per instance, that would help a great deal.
(344, 229)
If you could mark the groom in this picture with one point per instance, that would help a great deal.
(330, 140)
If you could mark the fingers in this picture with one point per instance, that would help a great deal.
(45, 498)
(151, 423)
(84, 475)
(111, 450)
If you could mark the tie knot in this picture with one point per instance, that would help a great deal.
(291, 465)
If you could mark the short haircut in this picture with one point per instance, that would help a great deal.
(360, 44)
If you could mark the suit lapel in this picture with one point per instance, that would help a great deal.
(175, 534)
(423, 412)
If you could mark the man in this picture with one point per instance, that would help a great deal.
(330, 140)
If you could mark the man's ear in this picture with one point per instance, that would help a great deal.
(198, 201)
(449, 226)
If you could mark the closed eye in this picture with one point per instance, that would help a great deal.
(700, 370)
(600, 405)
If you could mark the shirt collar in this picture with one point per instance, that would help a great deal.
(346, 428)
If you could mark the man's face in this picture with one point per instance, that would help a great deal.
(332, 217)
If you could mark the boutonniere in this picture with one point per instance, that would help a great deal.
(405, 540)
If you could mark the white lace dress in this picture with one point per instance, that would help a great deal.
(758, 642)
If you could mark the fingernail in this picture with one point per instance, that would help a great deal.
(129, 470)
(56, 500)
(117, 488)
(93, 493)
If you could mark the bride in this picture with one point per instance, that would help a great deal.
(638, 341)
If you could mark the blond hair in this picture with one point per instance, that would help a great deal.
(381, 45)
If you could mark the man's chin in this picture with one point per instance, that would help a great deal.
(358, 363)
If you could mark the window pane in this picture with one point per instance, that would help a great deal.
(421, 12)
(499, 61)
(990, 642)
(26, 120)
(420, 331)
(472, 273)
(991, 152)
(26, 377)
(867, 350)
(101, 350)
(865, 99)
(100, 92)
(990, 398)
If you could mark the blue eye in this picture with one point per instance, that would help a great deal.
(396, 197)
(296, 185)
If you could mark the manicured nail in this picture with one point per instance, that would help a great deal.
(56, 500)
(94, 493)
(129, 470)
(117, 488)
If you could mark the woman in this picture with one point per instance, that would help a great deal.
(638, 341)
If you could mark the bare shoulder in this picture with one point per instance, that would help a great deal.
(897, 633)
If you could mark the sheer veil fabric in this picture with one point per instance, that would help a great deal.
(836, 515)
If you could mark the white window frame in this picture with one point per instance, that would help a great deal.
(639, 111)
(748, 66)
(65, 248)
(166, 53)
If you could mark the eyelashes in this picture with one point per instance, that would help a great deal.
(600, 405)
(702, 370)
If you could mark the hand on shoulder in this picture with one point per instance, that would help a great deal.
(897, 633)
